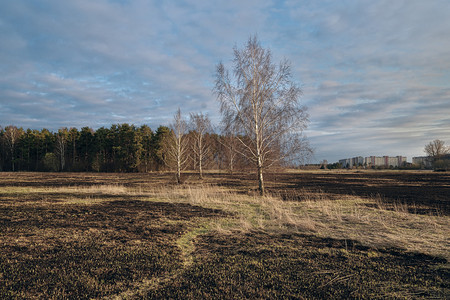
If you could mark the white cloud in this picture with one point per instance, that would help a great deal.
(375, 74)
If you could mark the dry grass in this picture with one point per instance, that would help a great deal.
(184, 238)
(375, 224)
(368, 221)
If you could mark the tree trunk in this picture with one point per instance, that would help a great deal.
(231, 164)
(12, 158)
(260, 178)
(200, 170)
(74, 153)
(178, 168)
(178, 175)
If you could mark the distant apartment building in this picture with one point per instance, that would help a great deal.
(351, 162)
(373, 161)
(423, 161)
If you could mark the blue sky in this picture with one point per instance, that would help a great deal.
(375, 74)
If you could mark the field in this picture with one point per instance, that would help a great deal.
(316, 235)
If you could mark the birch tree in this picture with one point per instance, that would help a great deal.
(176, 145)
(230, 144)
(261, 99)
(12, 135)
(61, 145)
(201, 125)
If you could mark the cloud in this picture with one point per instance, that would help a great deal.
(378, 74)
(375, 74)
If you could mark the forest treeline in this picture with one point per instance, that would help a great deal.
(262, 124)
(120, 148)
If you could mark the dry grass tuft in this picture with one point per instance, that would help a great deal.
(109, 189)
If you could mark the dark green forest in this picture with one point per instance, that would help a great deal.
(120, 148)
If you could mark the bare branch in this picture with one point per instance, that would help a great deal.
(262, 102)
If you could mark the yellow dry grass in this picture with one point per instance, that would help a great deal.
(345, 217)
(368, 221)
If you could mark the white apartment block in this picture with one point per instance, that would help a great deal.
(373, 161)
(424, 161)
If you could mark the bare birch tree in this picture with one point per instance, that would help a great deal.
(12, 135)
(261, 99)
(61, 143)
(176, 145)
(201, 125)
(230, 143)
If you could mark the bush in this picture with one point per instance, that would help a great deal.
(442, 165)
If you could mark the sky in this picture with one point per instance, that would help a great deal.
(375, 74)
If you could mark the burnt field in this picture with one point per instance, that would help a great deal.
(423, 191)
(133, 236)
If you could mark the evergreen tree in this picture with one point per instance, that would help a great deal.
(146, 136)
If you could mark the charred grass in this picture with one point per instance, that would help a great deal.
(259, 265)
(89, 247)
(128, 236)
(424, 192)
